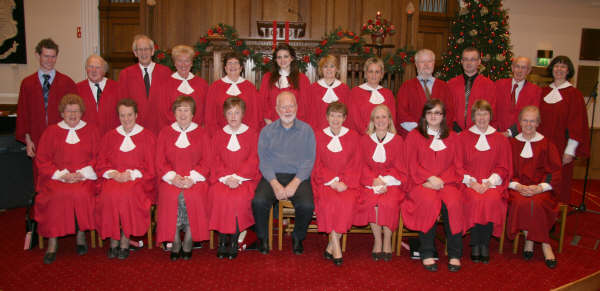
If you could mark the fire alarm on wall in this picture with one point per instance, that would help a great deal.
(78, 31)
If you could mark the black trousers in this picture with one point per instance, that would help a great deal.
(264, 197)
(427, 239)
(481, 233)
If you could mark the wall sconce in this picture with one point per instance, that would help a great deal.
(543, 57)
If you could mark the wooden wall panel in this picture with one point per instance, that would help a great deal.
(280, 10)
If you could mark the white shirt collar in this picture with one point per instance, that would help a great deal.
(233, 144)
(182, 141)
(482, 143)
(520, 83)
(334, 144)
(379, 155)
(102, 84)
(72, 137)
(127, 144)
(150, 69)
(527, 151)
(436, 144)
(376, 97)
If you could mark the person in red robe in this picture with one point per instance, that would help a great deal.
(486, 159)
(434, 171)
(182, 82)
(126, 164)
(468, 88)
(39, 96)
(142, 80)
(233, 84)
(413, 93)
(513, 94)
(100, 95)
(284, 76)
(533, 206)
(325, 91)
(335, 179)
(182, 163)
(383, 181)
(564, 121)
(365, 97)
(234, 178)
(66, 186)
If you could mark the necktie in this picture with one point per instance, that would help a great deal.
(513, 94)
(46, 89)
(426, 87)
(147, 81)
(467, 94)
(98, 94)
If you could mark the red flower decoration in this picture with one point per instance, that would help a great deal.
(350, 33)
(356, 37)
(412, 59)
(238, 43)
(266, 60)
(324, 42)
(197, 53)
(246, 52)
(219, 30)
(370, 21)
(203, 40)
(367, 50)
(391, 61)
(402, 55)
(306, 59)
(155, 47)
(318, 51)
(490, 41)
(161, 56)
(340, 33)
(210, 32)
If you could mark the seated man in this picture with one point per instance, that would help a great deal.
(286, 149)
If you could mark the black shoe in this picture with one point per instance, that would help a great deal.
(549, 263)
(376, 256)
(527, 255)
(338, 262)
(386, 256)
(222, 250)
(453, 268)
(175, 255)
(49, 258)
(233, 247)
(298, 248)
(431, 268)
(485, 254)
(112, 253)
(263, 246)
(186, 255)
(81, 249)
(327, 255)
(476, 253)
(123, 254)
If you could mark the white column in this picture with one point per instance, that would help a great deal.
(90, 29)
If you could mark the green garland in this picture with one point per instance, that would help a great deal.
(262, 63)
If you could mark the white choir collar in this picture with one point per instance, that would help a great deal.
(233, 144)
(527, 151)
(482, 144)
(72, 137)
(182, 141)
(554, 95)
(436, 144)
(379, 155)
(233, 89)
(376, 97)
(283, 80)
(330, 95)
(184, 87)
(127, 145)
(334, 144)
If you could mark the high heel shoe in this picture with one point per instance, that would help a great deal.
(186, 255)
(551, 263)
(233, 247)
(327, 255)
(527, 255)
(175, 255)
(376, 256)
(49, 258)
(338, 262)
(222, 250)
(431, 267)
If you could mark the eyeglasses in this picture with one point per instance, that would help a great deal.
(143, 49)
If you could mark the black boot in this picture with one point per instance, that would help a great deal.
(233, 245)
(222, 250)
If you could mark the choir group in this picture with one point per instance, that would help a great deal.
(470, 153)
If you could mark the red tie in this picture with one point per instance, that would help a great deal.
(513, 94)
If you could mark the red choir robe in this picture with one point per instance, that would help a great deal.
(268, 95)
(58, 204)
(359, 107)
(131, 83)
(389, 203)
(489, 206)
(411, 99)
(31, 114)
(422, 206)
(229, 206)
(482, 88)
(335, 210)
(536, 214)
(182, 161)
(316, 115)
(126, 205)
(567, 117)
(162, 101)
(506, 110)
(103, 116)
(214, 118)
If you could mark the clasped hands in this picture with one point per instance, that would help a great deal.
(434, 183)
(120, 177)
(71, 178)
(530, 190)
(282, 193)
(480, 187)
(182, 182)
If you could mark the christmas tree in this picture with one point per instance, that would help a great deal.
(482, 24)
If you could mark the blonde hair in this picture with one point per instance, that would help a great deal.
(182, 50)
(371, 128)
(376, 61)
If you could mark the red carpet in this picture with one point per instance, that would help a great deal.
(152, 270)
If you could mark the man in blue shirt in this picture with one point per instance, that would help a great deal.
(286, 149)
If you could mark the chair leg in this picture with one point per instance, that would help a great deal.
(100, 241)
(501, 247)
(40, 241)
(150, 236)
(93, 238)
(563, 224)
(212, 243)
(344, 237)
(400, 235)
(280, 227)
(516, 243)
(271, 228)
(394, 234)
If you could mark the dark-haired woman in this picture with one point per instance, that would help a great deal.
(233, 84)
(284, 76)
(564, 120)
(434, 169)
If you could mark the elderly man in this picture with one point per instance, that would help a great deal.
(39, 97)
(141, 80)
(99, 94)
(468, 88)
(513, 94)
(415, 92)
(286, 149)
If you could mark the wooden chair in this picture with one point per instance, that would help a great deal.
(563, 209)
(286, 210)
(270, 228)
(402, 232)
(366, 229)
